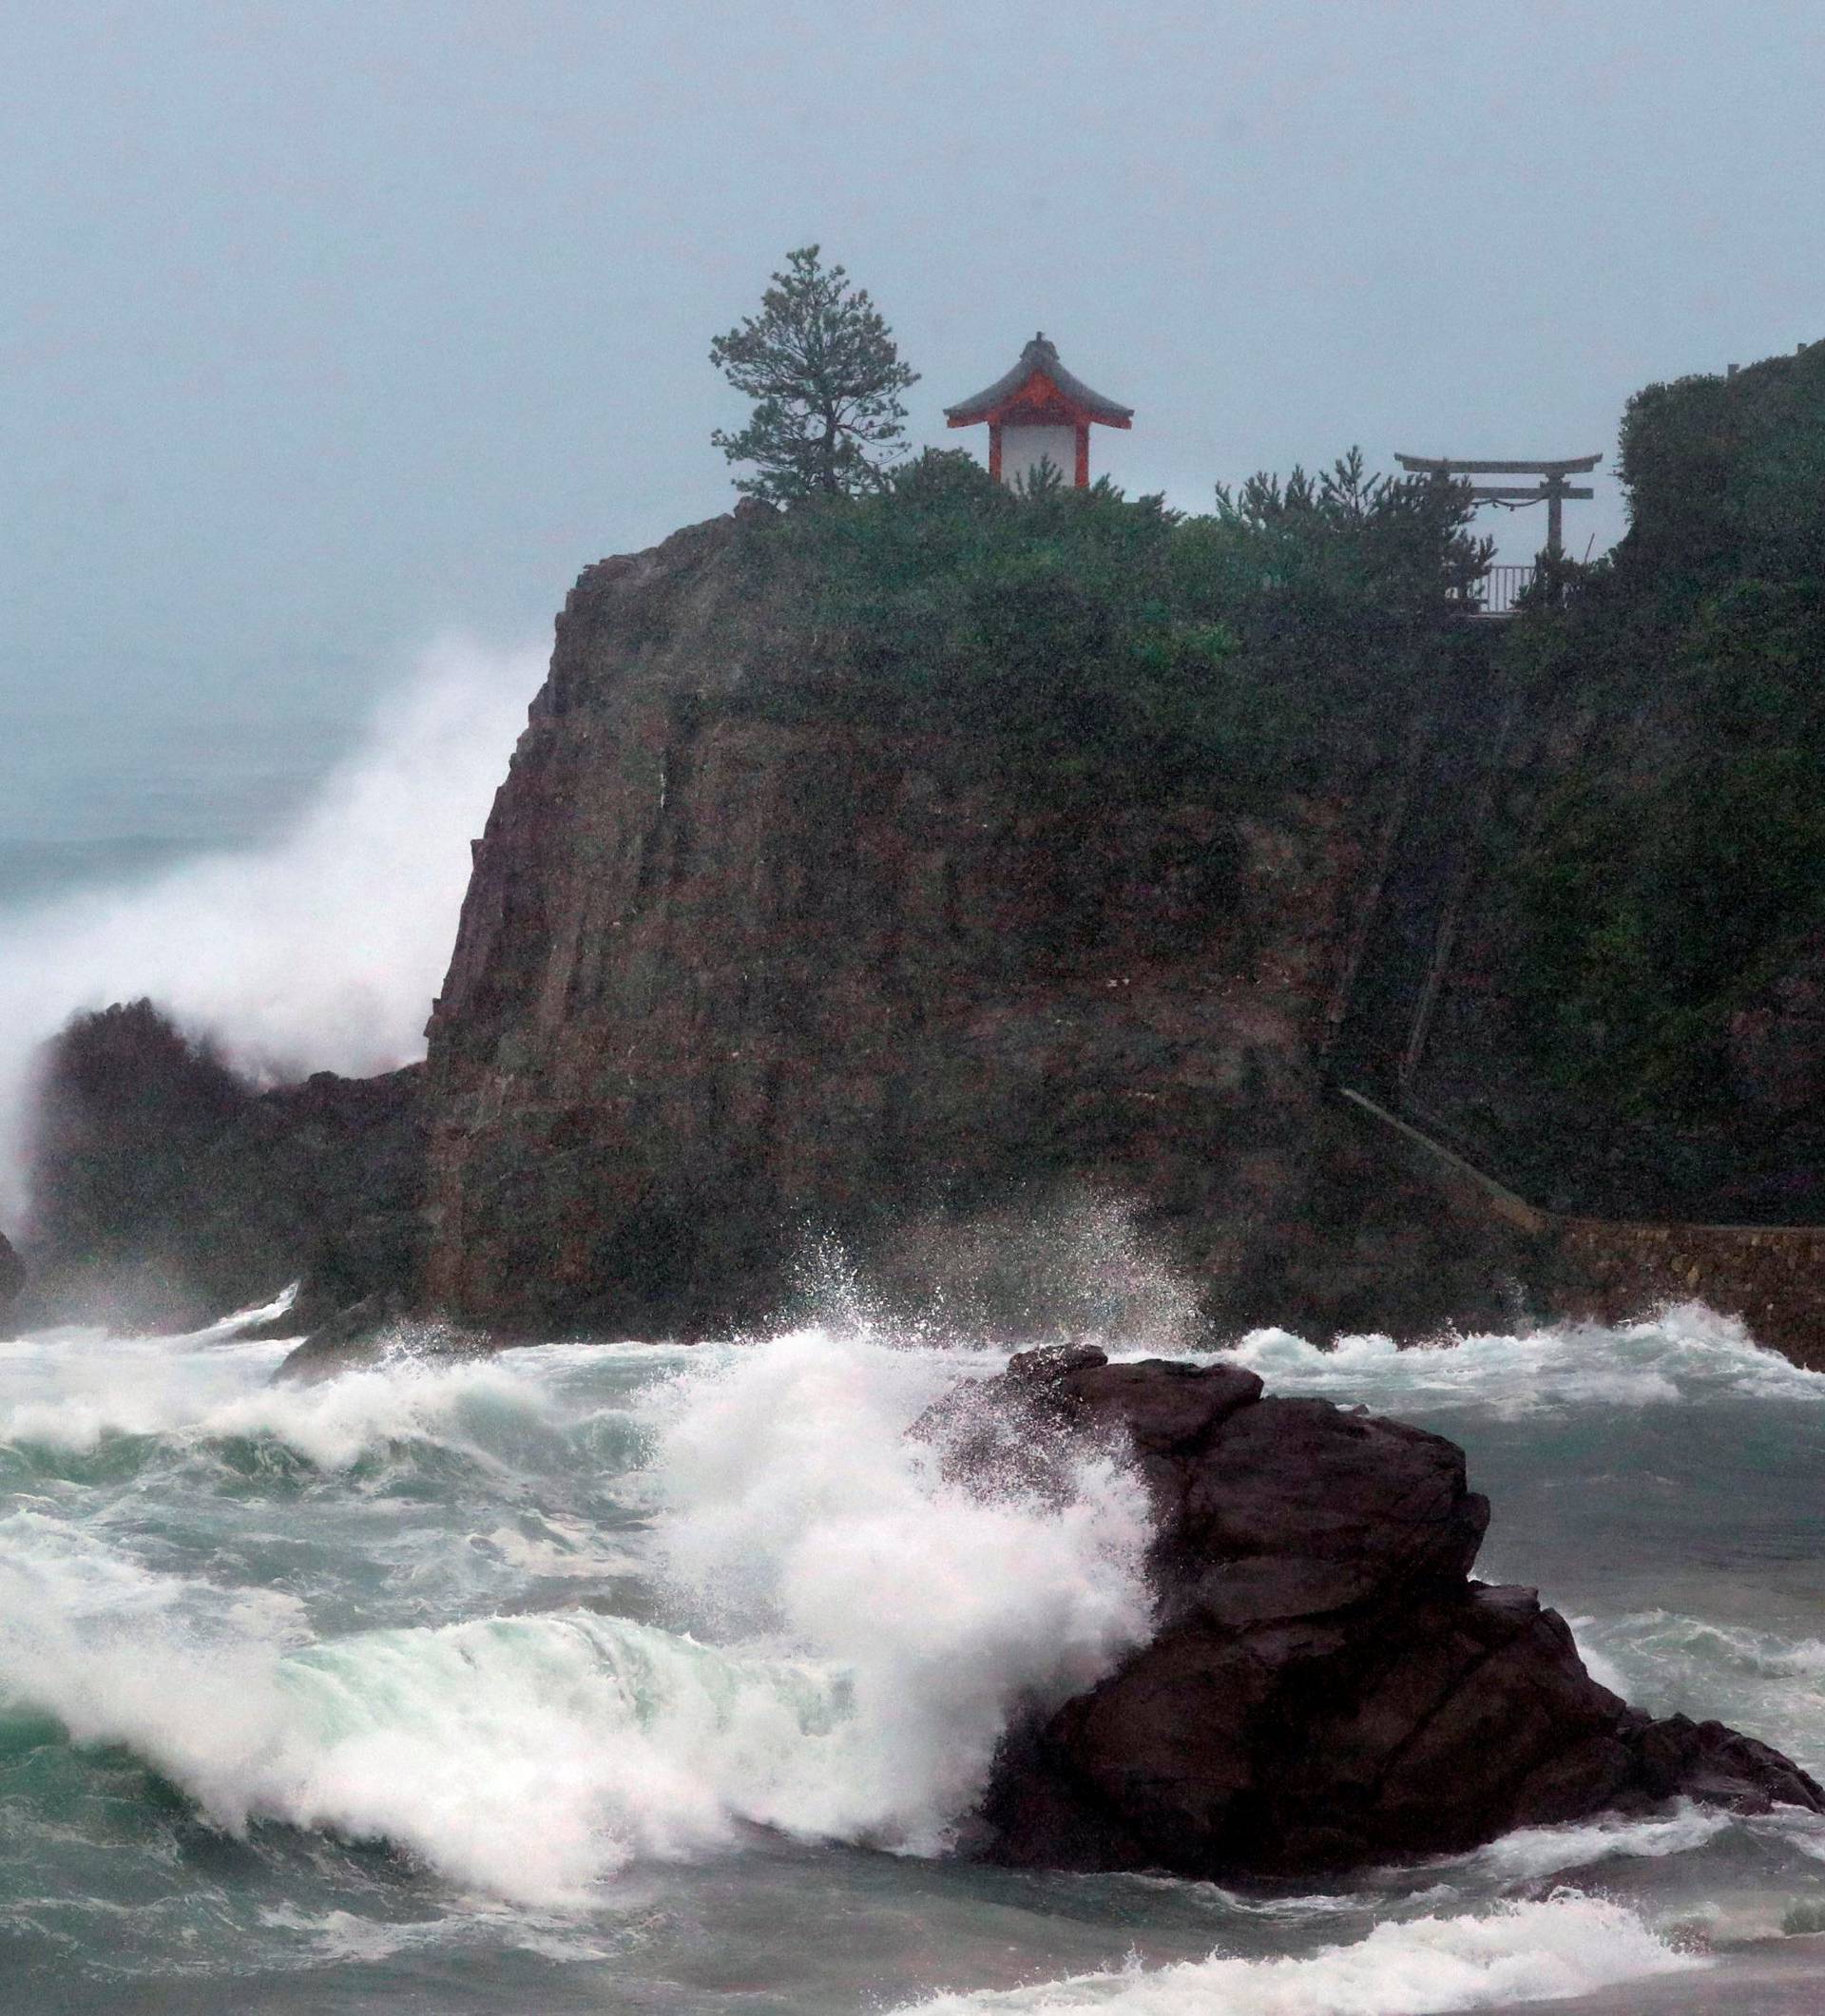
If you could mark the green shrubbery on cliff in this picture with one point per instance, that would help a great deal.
(1680, 864)
(1257, 647)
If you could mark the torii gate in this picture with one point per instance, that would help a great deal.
(1552, 490)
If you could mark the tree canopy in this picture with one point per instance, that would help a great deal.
(1257, 647)
(825, 376)
(1678, 867)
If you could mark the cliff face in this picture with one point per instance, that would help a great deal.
(741, 963)
(13, 1280)
(903, 873)
(1633, 1024)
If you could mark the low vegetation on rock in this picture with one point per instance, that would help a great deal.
(1277, 641)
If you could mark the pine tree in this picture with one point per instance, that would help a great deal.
(825, 376)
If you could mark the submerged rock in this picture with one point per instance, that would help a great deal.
(358, 1335)
(380, 1330)
(1327, 1686)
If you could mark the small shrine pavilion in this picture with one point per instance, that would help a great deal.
(1039, 413)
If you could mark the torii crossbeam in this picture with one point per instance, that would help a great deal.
(1552, 490)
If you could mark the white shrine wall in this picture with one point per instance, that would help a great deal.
(1023, 448)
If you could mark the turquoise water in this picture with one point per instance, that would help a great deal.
(584, 1678)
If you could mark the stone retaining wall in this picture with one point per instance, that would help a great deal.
(1772, 1276)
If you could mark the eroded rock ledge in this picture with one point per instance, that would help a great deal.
(168, 1190)
(1327, 1686)
(13, 1280)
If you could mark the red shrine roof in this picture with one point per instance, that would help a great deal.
(1039, 391)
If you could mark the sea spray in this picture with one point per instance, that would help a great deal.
(440, 1635)
(92, 1389)
(320, 951)
(528, 1757)
(1683, 1353)
(1072, 1261)
(793, 1507)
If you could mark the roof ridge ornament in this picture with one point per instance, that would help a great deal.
(1040, 354)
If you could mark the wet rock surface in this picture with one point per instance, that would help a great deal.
(377, 1330)
(1327, 1686)
(13, 1279)
(167, 1190)
(745, 951)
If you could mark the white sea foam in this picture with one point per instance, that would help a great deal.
(63, 1581)
(321, 950)
(1683, 1353)
(525, 1756)
(881, 1625)
(1531, 1853)
(1563, 1946)
(73, 1389)
(552, 1547)
(337, 1938)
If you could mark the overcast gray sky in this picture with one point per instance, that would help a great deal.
(327, 325)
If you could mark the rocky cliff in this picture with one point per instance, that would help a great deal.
(12, 1283)
(1629, 1022)
(743, 962)
(756, 955)
(893, 875)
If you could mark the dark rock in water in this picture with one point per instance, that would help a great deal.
(168, 1191)
(379, 1328)
(356, 1335)
(1325, 1687)
(13, 1279)
(1707, 1761)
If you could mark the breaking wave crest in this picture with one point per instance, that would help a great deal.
(1687, 1353)
(523, 1756)
(1562, 1946)
(547, 1624)
(320, 951)
(133, 1389)
(795, 1509)
(1531, 1853)
(877, 1626)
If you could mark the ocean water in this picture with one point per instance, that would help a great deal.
(115, 792)
(285, 883)
(642, 1678)
(586, 1678)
